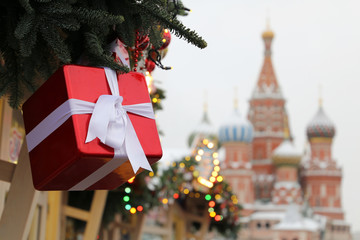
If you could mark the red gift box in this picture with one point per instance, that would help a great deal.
(63, 159)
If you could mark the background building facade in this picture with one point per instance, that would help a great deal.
(286, 195)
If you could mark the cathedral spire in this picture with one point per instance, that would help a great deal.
(267, 85)
(287, 135)
(268, 36)
(236, 103)
(320, 96)
(205, 118)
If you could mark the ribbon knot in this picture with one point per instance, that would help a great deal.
(108, 121)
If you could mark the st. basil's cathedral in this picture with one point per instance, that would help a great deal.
(285, 194)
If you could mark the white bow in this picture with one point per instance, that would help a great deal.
(111, 123)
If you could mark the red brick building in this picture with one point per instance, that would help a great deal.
(286, 195)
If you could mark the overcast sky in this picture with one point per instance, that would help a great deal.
(316, 43)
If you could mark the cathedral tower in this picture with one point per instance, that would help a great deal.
(236, 136)
(287, 189)
(266, 113)
(322, 177)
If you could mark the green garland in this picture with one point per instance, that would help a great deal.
(38, 36)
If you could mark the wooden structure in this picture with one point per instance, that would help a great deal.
(24, 205)
(59, 211)
(24, 212)
(22, 200)
(177, 225)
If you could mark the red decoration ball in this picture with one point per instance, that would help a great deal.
(166, 39)
(143, 42)
(149, 65)
(153, 55)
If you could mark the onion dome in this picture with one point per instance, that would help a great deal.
(236, 129)
(286, 154)
(268, 34)
(320, 126)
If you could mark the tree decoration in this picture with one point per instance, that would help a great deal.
(166, 38)
(149, 65)
(39, 36)
(143, 42)
(154, 55)
(156, 98)
(177, 184)
(226, 216)
(138, 195)
(207, 170)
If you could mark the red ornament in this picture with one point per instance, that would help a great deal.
(63, 159)
(143, 42)
(149, 65)
(152, 54)
(166, 39)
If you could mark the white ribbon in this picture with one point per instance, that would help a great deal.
(109, 122)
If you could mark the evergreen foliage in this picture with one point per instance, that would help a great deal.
(38, 36)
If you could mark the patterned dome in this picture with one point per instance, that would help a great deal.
(320, 126)
(286, 154)
(236, 129)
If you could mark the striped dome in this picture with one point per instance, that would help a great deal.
(320, 126)
(237, 129)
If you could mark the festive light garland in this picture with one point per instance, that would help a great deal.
(176, 184)
(221, 203)
(208, 168)
(126, 199)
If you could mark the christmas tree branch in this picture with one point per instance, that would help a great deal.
(161, 15)
(38, 36)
